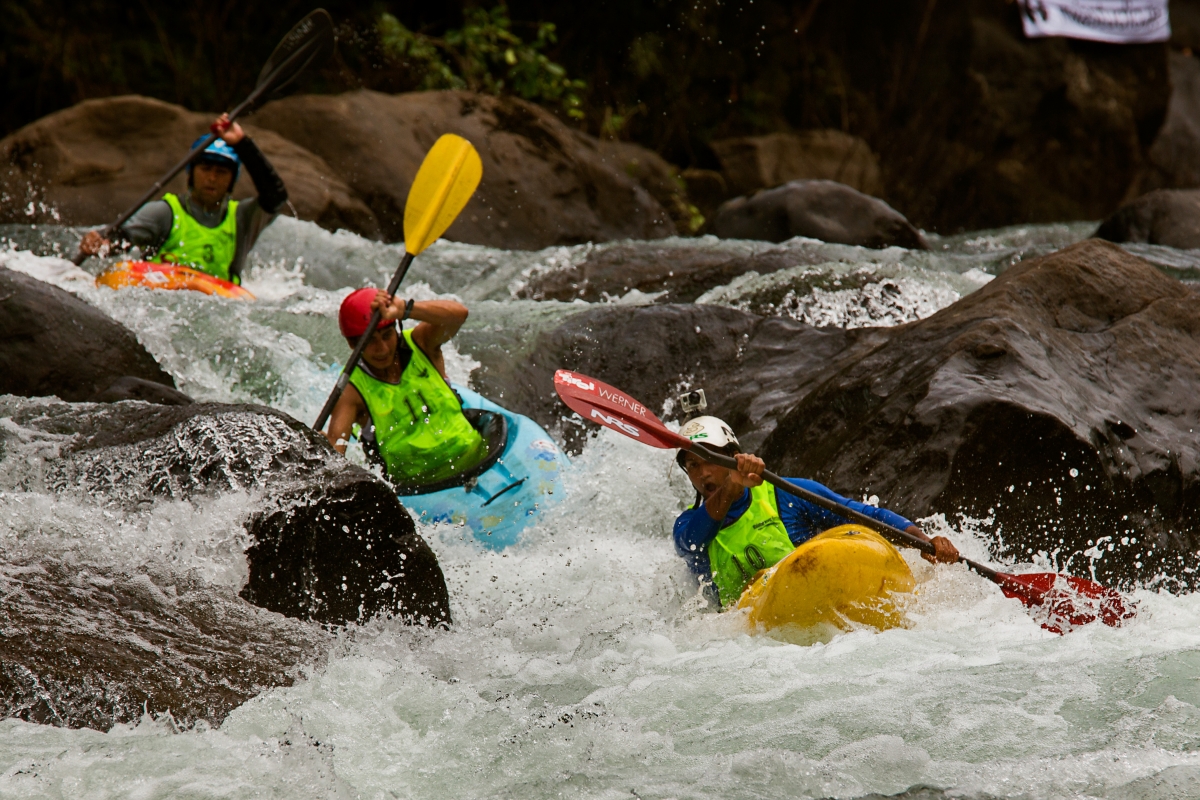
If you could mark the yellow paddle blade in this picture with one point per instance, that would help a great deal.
(444, 183)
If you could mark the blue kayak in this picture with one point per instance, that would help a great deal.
(506, 493)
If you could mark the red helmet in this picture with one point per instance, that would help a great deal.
(355, 313)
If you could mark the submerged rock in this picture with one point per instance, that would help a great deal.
(1056, 406)
(56, 344)
(91, 647)
(331, 542)
(825, 210)
(543, 183)
(86, 164)
(1169, 217)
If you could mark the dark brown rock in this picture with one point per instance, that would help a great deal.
(88, 163)
(52, 343)
(681, 273)
(543, 184)
(83, 646)
(1058, 403)
(1174, 158)
(1164, 216)
(751, 163)
(825, 210)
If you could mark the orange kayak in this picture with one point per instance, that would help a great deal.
(168, 276)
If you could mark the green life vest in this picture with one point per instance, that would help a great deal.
(756, 541)
(190, 244)
(420, 429)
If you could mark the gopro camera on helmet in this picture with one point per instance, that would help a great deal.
(693, 401)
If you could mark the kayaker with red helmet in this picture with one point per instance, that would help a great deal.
(399, 394)
(739, 525)
(206, 229)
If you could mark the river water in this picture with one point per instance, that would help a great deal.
(583, 662)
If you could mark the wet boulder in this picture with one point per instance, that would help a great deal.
(817, 209)
(1055, 409)
(1169, 217)
(331, 542)
(88, 646)
(52, 343)
(1174, 158)
(543, 183)
(672, 272)
(86, 164)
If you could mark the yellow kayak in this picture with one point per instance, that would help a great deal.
(846, 577)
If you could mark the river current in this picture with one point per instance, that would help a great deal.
(583, 662)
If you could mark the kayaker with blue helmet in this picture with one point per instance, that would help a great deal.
(399, 395)
(206, 229)
(740, 525)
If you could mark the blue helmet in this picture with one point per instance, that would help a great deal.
(220, 153)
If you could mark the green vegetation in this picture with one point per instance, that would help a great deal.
(484, 55)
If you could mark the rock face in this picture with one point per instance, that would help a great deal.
(543, 184)
(331, 542)
(156, 644)
(1057, 406)
(1164, 216)
(751, 163)
(1175, 154)
(822, 210)
(56, 344)
(88, 163)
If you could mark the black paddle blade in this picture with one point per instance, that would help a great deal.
(314, 36)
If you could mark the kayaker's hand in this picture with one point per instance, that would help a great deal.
(944, 550)
(231, 132)
(749, 471)
(94, 244)
(392, 307)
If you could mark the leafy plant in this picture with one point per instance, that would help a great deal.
(485, 56)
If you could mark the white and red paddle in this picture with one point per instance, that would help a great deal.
(1063, 601)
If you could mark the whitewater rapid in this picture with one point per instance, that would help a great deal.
(583, 662)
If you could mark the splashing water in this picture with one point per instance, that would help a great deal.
(583, 662)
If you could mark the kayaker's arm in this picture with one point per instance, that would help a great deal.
(349, 409)
(272, 194)
(747, 475)
(147, 229)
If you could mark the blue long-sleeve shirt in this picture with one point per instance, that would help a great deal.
(694, 528)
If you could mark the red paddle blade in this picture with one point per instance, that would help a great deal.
(1066, 602)
(598, 402)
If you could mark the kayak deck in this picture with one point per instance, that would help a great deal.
(151, 275)
(847, 577)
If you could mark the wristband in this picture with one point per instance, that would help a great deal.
(408, 307)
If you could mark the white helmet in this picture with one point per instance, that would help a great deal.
(710, 431)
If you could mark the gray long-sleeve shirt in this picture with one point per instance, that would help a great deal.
(151, 225)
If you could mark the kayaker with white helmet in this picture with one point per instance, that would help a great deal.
(206, 229)
(739, 525)
(399, 393)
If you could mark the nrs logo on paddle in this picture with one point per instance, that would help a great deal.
(615, 422)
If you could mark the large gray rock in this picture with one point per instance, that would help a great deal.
(825, 210)
(543, 183)
(1164, 216)
(1057, 406)
(52, 343)
(86, 164)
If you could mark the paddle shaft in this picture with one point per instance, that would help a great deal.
(352, 362)
(893, 533)
(195, 152)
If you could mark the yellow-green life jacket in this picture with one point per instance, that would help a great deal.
(756, 541)
(190, 244)
(420, 429)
